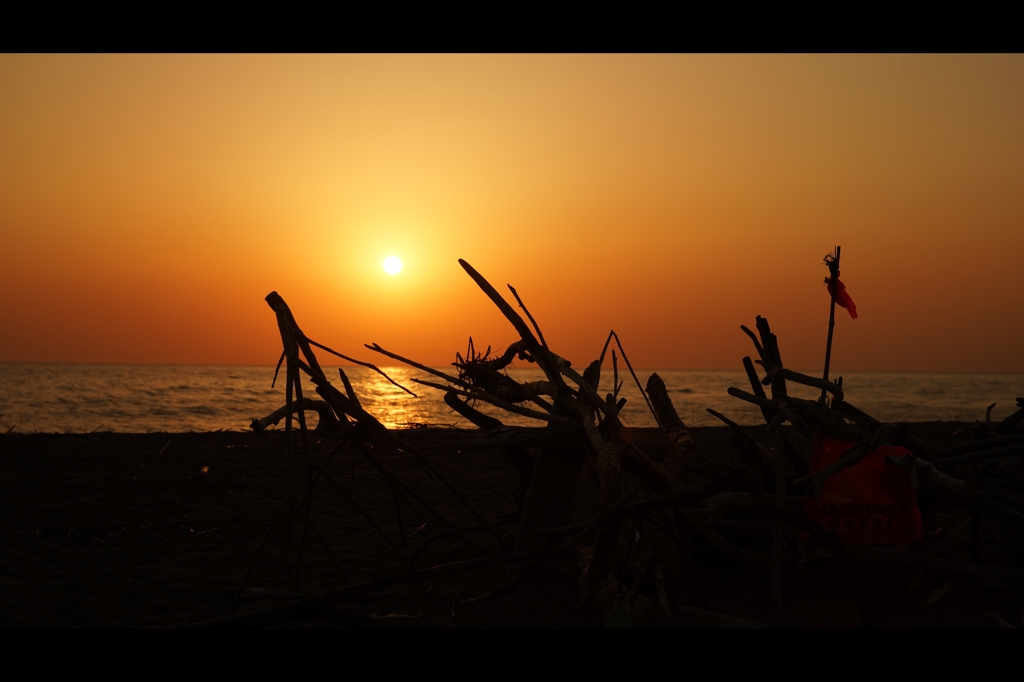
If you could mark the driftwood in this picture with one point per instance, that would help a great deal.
(327, 425)
(583, 431)
(930, 472)
(957, 493)
(690, 497)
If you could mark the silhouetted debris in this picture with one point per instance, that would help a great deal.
(663, 504)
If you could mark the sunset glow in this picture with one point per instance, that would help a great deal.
(672, 198)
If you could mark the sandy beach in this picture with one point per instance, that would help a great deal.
(158, 530)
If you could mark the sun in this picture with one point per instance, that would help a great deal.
(392, 265)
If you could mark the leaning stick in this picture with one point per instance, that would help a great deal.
(756, 386)
(361, 363)
(770, 342)
(510, 314)
(286, 324)
(277, 369)
(527, 311)
(833, 267)
(622, 350)
(332, 395)
(680, 439)
(939, 485)
(753, 337)
(412, 363)
(605, 348)
(348, 387)
(761, 401)
(773, 373)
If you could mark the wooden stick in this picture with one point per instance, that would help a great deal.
(348, 387)
(616, 386)
(527, 311)
(939, 485)
(412, 363)
(770, 343)
(773, 373)
(363, 364)
(605, 348)
(680, 439)
(536, 350)
(757, 344)
(833, 268)
(755, 385)
(286, 324)
(635, 379)
(761, 401)
(335, 397)
(277, 369)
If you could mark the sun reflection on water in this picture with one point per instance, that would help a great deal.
(143, 398)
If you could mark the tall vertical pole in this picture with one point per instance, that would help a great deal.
(833, 268)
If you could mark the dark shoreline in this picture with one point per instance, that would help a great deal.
(102, 530)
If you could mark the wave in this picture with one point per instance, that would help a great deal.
(79, 398)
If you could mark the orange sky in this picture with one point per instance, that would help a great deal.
(148, 204)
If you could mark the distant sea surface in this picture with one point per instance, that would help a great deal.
(179, 398)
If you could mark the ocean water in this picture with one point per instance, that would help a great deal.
(61, 398)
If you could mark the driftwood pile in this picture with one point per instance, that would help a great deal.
(687, 495)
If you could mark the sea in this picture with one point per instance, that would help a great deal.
(69, 398)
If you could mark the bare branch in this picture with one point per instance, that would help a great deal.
(361, 363)
(527, 311)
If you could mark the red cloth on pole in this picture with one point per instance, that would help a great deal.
(868, 502)
(842, 298)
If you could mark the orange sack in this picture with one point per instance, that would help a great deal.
(868, 503)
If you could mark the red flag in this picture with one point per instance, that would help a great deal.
(842, 298)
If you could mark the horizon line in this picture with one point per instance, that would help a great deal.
(654, 369)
